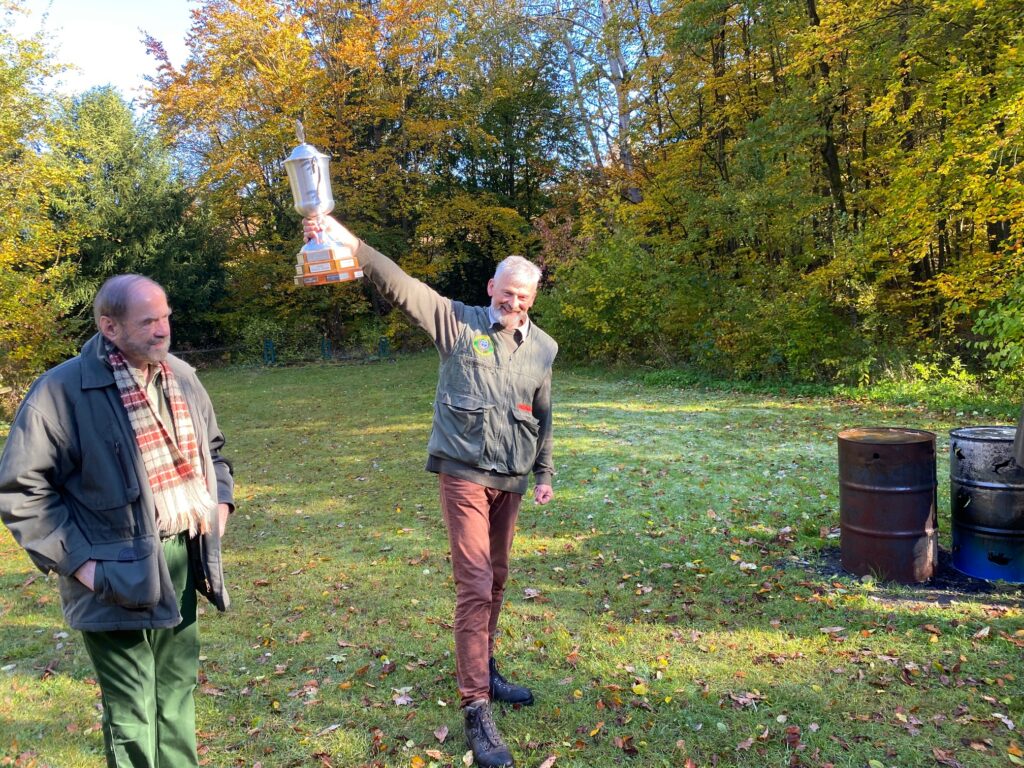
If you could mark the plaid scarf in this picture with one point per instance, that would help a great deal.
(172, 461)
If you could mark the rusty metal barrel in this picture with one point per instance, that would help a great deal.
(986, 503)
(887, 494)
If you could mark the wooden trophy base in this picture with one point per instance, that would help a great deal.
(323, 263)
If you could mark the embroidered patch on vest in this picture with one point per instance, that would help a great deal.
(482, 344)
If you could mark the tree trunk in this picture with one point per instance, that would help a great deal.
(572, 53)
(829, 150)
(617, 74)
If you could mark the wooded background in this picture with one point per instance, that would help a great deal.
(807, 191)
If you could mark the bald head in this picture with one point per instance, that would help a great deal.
(131, 312)
(114, 296)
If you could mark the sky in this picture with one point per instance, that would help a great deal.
(102, 38)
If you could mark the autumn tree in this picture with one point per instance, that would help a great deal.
(230, 112)
(825, 183)
(417, 126)
(791, 188)
(33, 266)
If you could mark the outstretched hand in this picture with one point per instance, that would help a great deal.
(328, 226)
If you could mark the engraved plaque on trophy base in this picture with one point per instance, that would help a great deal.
(320, 264)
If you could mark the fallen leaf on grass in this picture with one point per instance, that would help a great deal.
(1016, 638)
(945, 757)
(792, 737)
(1004, 720)
(379, 747)
(402, 697)
(625, 743)
(745, 699)
(441, 733)
(549, 761)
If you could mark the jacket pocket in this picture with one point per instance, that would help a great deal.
(108, 477)
(127, 573)
(525, 432)
(459, 428)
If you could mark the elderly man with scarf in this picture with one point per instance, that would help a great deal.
(112, 478)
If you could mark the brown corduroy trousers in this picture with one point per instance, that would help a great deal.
(481, 523)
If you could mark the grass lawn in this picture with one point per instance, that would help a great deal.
(678, 603)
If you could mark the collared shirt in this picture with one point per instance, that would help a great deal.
(524, 329)
(154, 390)
(509, 340)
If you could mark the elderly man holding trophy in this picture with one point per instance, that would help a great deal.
(491, 429)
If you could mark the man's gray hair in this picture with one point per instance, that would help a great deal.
(114, 296)
(519, 269)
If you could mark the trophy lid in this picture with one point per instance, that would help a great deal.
(304, 151)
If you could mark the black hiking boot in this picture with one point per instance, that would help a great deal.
(504, 691)
(489, 749)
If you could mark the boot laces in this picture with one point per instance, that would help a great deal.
(485, 722)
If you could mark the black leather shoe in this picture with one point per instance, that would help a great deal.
(504, 691)
(489, 749)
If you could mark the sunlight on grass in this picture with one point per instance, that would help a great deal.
(675, 600)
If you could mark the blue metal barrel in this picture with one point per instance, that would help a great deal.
(986, 503)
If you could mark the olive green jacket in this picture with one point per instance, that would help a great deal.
(73, 488)
(492, 409)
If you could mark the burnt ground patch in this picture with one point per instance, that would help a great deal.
(946, 585)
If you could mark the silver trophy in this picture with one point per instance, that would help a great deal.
(321, 260)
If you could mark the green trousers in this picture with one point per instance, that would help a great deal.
(147, 679)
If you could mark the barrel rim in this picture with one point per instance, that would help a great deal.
(917, 435)
(961, 433)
